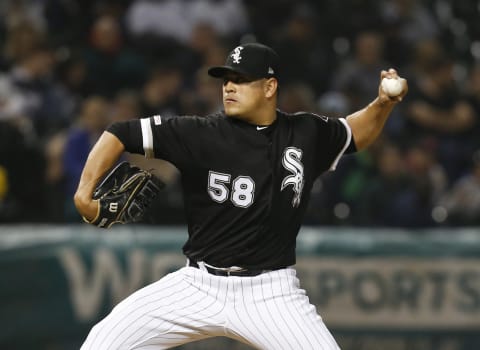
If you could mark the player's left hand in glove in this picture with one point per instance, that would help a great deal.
(124, 195)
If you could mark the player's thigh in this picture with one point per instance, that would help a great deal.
(295, 315)
(161, 315)
(274, 313)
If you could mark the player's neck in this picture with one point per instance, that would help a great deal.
(262, 116)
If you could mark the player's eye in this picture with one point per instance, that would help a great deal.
(236, 80)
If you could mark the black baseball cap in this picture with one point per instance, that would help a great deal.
(253, 59)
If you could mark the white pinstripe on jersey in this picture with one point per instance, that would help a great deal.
(268, 311)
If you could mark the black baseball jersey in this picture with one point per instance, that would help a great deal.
(246, 187)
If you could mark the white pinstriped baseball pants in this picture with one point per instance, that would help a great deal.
(268, 311)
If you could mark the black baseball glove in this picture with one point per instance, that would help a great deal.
(124, 195)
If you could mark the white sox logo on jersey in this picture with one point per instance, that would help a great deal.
(291, 161)
(236, 54)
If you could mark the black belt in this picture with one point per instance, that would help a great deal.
(227, 272)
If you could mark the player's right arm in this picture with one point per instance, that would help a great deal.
(367, 123)
(103, 156)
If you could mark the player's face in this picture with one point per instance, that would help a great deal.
(242, 95)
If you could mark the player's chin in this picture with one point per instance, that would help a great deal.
(232, 111)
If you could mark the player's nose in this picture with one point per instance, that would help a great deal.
(228, 86)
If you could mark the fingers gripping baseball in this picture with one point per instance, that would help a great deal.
(392, 87)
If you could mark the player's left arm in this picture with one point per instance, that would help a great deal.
(367, 123)
(104, 154)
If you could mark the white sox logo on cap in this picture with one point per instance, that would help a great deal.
(236, 54)
(251, 59)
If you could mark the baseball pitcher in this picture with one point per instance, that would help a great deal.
(246, 173)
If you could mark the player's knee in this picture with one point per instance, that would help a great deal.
(92, 337)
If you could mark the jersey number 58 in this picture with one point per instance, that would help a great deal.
(243, 189)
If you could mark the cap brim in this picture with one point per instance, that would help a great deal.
(221, 71)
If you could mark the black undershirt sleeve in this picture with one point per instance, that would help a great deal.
(129, 133)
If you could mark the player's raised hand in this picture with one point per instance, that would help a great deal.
(392, 87)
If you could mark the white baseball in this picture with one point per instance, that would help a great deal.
(392, 86)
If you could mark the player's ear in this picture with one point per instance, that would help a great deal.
(270, 87)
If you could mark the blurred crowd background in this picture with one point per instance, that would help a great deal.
(68, 68)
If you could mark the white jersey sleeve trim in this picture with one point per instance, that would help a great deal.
(347, 143)
(147, 137)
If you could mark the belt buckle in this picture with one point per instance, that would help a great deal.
(234, 269)
(227, 271)
(235, 272)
